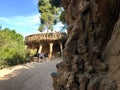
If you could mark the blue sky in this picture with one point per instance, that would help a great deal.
(21, 15)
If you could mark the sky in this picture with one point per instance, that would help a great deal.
(22, 16)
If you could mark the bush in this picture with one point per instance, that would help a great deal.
(16, 59)
(12, 48)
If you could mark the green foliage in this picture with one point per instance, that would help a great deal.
(56, 3)
(49, 14)
(62, 17)
(12, 48)
(41, 28)
(16, 59)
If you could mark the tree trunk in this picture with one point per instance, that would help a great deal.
(90, 25)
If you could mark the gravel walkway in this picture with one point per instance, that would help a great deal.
(31, 76)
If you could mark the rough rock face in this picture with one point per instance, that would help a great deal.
(90, 26)
(111, 55)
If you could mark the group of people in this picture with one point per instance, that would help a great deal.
(42, 56)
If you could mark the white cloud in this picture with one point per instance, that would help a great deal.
(59, 24)
(33, 19)
(25, 25)
(4, 19)
(22, 24)
(58, 27)
(22, 20)
(26, 20)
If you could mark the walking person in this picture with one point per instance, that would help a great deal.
(40, 57)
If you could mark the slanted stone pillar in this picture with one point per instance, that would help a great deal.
(40, 49)
(51, 50)
(61, 49)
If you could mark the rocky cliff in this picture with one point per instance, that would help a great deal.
(111, 54)
(91, 54)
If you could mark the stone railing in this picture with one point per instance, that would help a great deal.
(45, 37)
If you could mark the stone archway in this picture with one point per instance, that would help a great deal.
(56, 50)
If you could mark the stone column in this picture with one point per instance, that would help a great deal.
(51, 50)
(61, 49)
(32, 50)
(40, 49)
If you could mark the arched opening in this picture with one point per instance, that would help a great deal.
(46, 47)
(56, 50)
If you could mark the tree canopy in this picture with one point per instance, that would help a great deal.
(49, 14)
(11, 47)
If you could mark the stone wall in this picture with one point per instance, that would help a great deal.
(86, 62)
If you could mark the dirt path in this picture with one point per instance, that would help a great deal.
(31, 76)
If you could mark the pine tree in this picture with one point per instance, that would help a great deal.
(49, 15)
